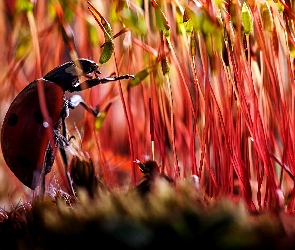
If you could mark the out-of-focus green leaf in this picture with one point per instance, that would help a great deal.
(196, 19)
(68, 13)
(291, 49)
(133, 20)
(266, 17)
(218, 40)
(219, 3)
(93, 37)
(162, 22)
(214, 41)
(209, 45)
(119, 5)
(280, 7)
(23, 47)
(180, 28)
(247, 20)
(188, 24)
(99, 120)
(208, 26)
(107, 52)
(140, 76)
(24, 5)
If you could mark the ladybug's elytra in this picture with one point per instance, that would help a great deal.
(24, 135)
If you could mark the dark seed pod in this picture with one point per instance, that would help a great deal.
(83, 175)
(151, 171)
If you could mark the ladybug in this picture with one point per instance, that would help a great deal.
(26, 138)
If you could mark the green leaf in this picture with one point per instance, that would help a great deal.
(108, 32)
(107, 52)
(24, 5)
(267, 17)
(208, 26)
(246, 19)
(140, 76)
(23, 46)
(133, 20)
(99, 120)
(93, 35)
(188, 26)
(280, 7)
(162, 22)
(196, 19)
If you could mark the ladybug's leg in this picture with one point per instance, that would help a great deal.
(75, 100)
(48, 162)
(95, 81)
(63, 142)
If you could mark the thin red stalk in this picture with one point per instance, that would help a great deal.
(176, 61)
(244, 106)
(262, 148)
(235, 159)
(260, 176)
(208, 114)
(261, 145)
(288, 127)
(36, 46)
(245, 185)
(105, 170)
(195, 125)
(262, 142)
(172, 128)
(281, 120)
(162, 121)
(133, 176)
(152, 129)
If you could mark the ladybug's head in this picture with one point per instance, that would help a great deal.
(87, 66)
(67, 75)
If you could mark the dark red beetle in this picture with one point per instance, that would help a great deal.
(24, 135)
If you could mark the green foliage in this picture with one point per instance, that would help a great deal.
(161, 21)
(188, 23)
(202, 23)
(246, 19)
(93, 38)
(108, 48)
(133, 20)
(140, 76)
(107, 52)
(99, 120)
(267, 17)
(24, 5)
